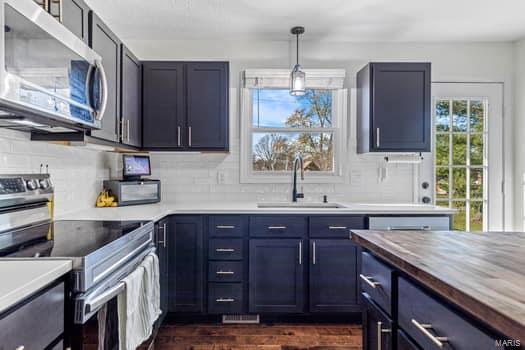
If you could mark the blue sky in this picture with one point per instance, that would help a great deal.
(274, 107)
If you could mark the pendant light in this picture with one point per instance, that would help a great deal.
(297, 77)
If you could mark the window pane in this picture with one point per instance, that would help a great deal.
(442, 183)
(476, 183)
(459, 115)
(442, 149)
(476, 149)
(276, 108)
(276, 151)
(443, 115)
(460, 218)
(476, 216)
(476, 116)
(459, 149)
(443, 204)
(459, 176)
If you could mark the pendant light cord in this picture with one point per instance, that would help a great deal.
(297, 53)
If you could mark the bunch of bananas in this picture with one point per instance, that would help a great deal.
(105, 200)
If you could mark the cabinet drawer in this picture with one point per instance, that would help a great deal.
(334, 226)
(277, 226)
(410, 223)
(224, 298)
(43, 317)
(227, 225)
(225, 249)
(225, 271)
(426, 319)
(376, 280)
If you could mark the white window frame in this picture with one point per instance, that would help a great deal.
(339, 129)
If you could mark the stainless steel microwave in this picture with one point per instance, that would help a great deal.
(48, 76)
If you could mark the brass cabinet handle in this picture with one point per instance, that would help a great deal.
(368, 280)
(220, 272)
(380, 332)
(313, 253)
(178, 136)
(189, 136)
(225, 300)
(276, 227)
(225, 227)
(225, 250)
(337, 227)
(424, 328)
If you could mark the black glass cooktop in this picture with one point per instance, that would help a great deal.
(64, 238)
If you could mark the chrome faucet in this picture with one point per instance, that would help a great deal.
(295, 194)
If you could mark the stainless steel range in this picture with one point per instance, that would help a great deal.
(103, 252)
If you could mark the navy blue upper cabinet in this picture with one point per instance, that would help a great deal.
(74, 16)
(333, 276)
(207, 105)
(163, 109)
(276, 276)
(107, 45)
(186, 106)
(186, 270)
(393, 107)
(131, 99)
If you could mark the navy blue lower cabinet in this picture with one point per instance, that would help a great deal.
(162, 232)
(377, 327)
(404, 342)
(333, 276)
(276, 276)
(187, 266)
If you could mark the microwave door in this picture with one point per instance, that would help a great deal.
(47, 71)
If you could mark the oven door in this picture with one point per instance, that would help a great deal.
(48, 76)
(87, 304)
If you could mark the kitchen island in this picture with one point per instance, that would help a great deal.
(481, 277)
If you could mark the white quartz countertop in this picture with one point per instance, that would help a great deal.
(155, 212)
(22, 278)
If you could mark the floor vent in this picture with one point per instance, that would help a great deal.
(246, 319)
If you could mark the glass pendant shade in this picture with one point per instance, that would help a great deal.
(297, 81)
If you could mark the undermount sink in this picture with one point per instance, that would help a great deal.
(300, 205)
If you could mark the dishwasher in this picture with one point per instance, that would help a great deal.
(410, 223)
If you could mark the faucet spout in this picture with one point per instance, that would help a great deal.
(297, 161)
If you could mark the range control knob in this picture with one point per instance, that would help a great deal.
(32, 184)
(45, 184)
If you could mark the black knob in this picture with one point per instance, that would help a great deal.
(425, 185)
(325, 199)
(426, 200)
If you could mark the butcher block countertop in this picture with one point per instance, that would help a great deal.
(482, 273)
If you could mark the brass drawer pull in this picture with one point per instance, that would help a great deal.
(424, 328)
(225, 227)
(368, 280)
(337, 227)
(225, 300)
(276, 227)
(220, 272)
(225, 250)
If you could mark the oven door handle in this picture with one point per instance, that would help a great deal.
(101, 299)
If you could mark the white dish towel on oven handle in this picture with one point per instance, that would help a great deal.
(139, 304)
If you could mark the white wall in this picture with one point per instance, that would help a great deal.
(193, 177)
(519, 129)
(76, 172)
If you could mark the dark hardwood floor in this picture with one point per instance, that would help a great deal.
(259, 337)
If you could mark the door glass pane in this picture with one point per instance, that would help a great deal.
(460, 219)
(459, 182)
(459, 149)
(443, 115)
(476, 116)
(476, 183)
(459, 115)
(476, 216)
(476, 149)
(442, 149)
(442, 183)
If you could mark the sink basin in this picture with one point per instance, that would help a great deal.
(300, 205)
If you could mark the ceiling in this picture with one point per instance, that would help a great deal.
(331, 20)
